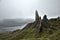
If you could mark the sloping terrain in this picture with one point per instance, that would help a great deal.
(29, 33)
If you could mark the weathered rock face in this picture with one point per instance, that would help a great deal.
(45, 18)
(45, 22)
(40, 24)
(37, 21)
(36, 16)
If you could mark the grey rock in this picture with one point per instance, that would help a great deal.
(38, 22)
(45, 22)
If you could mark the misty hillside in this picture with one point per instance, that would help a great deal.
(14, 22)
(29, 33)
(38, 30)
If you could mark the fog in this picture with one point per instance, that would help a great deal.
(26, 8)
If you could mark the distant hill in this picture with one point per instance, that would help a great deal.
(14, 22)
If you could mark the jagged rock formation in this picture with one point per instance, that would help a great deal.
(38, 22)
(44, 23)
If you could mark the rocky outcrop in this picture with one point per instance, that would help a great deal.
(42, 23)
(36, 16)
(45, 22)
(38, 22)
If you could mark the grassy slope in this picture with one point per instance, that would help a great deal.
(29, 33)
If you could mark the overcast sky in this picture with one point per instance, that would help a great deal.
(26, 8)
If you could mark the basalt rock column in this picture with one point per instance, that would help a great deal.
(38, 22)
(36, 16)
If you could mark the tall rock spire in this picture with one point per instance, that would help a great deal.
(38, 22)
(36, 16)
